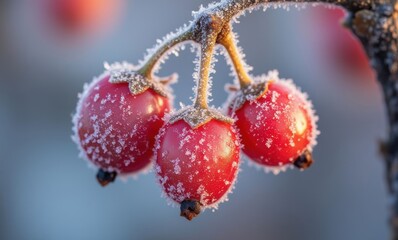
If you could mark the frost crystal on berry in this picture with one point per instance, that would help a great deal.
(125, 73)
(276, 121)
(197, 117)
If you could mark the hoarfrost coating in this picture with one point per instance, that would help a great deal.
(197, 163)
(115, 129)
(277, 123)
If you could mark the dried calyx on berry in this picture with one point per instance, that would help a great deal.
(196, 117)
(105, 177)
(190, 209)
(247, 93)
(138, 83)
(304, 161)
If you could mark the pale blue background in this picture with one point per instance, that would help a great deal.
(47, 192)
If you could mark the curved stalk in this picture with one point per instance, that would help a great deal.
(149, 65)
(227, 40)
(207, 39)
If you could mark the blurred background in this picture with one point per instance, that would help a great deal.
(49, 50)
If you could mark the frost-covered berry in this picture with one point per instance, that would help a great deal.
(77, 16)
(197, 166)
(277, 126)
(116, 129)
(338, 48)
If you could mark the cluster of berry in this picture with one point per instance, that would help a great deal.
(124, 122)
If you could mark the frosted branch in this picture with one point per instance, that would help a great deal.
(374, 22)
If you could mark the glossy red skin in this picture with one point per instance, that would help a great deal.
(135, 122)
(198, 164)
(339, 45)
(82, 15)
(266, 126)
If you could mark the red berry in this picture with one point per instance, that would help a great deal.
(116, 129)
(339, 46)
(278, 126)
(82, 15)
(197, 164)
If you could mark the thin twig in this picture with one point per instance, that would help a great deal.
(227, 40)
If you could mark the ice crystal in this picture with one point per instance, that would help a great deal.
(127, 73)
(197, 117)
(202, 170)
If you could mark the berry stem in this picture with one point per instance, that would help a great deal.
(225, 11)
(204, 72)
(207, 38)
(227, 40)
(150, 63)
